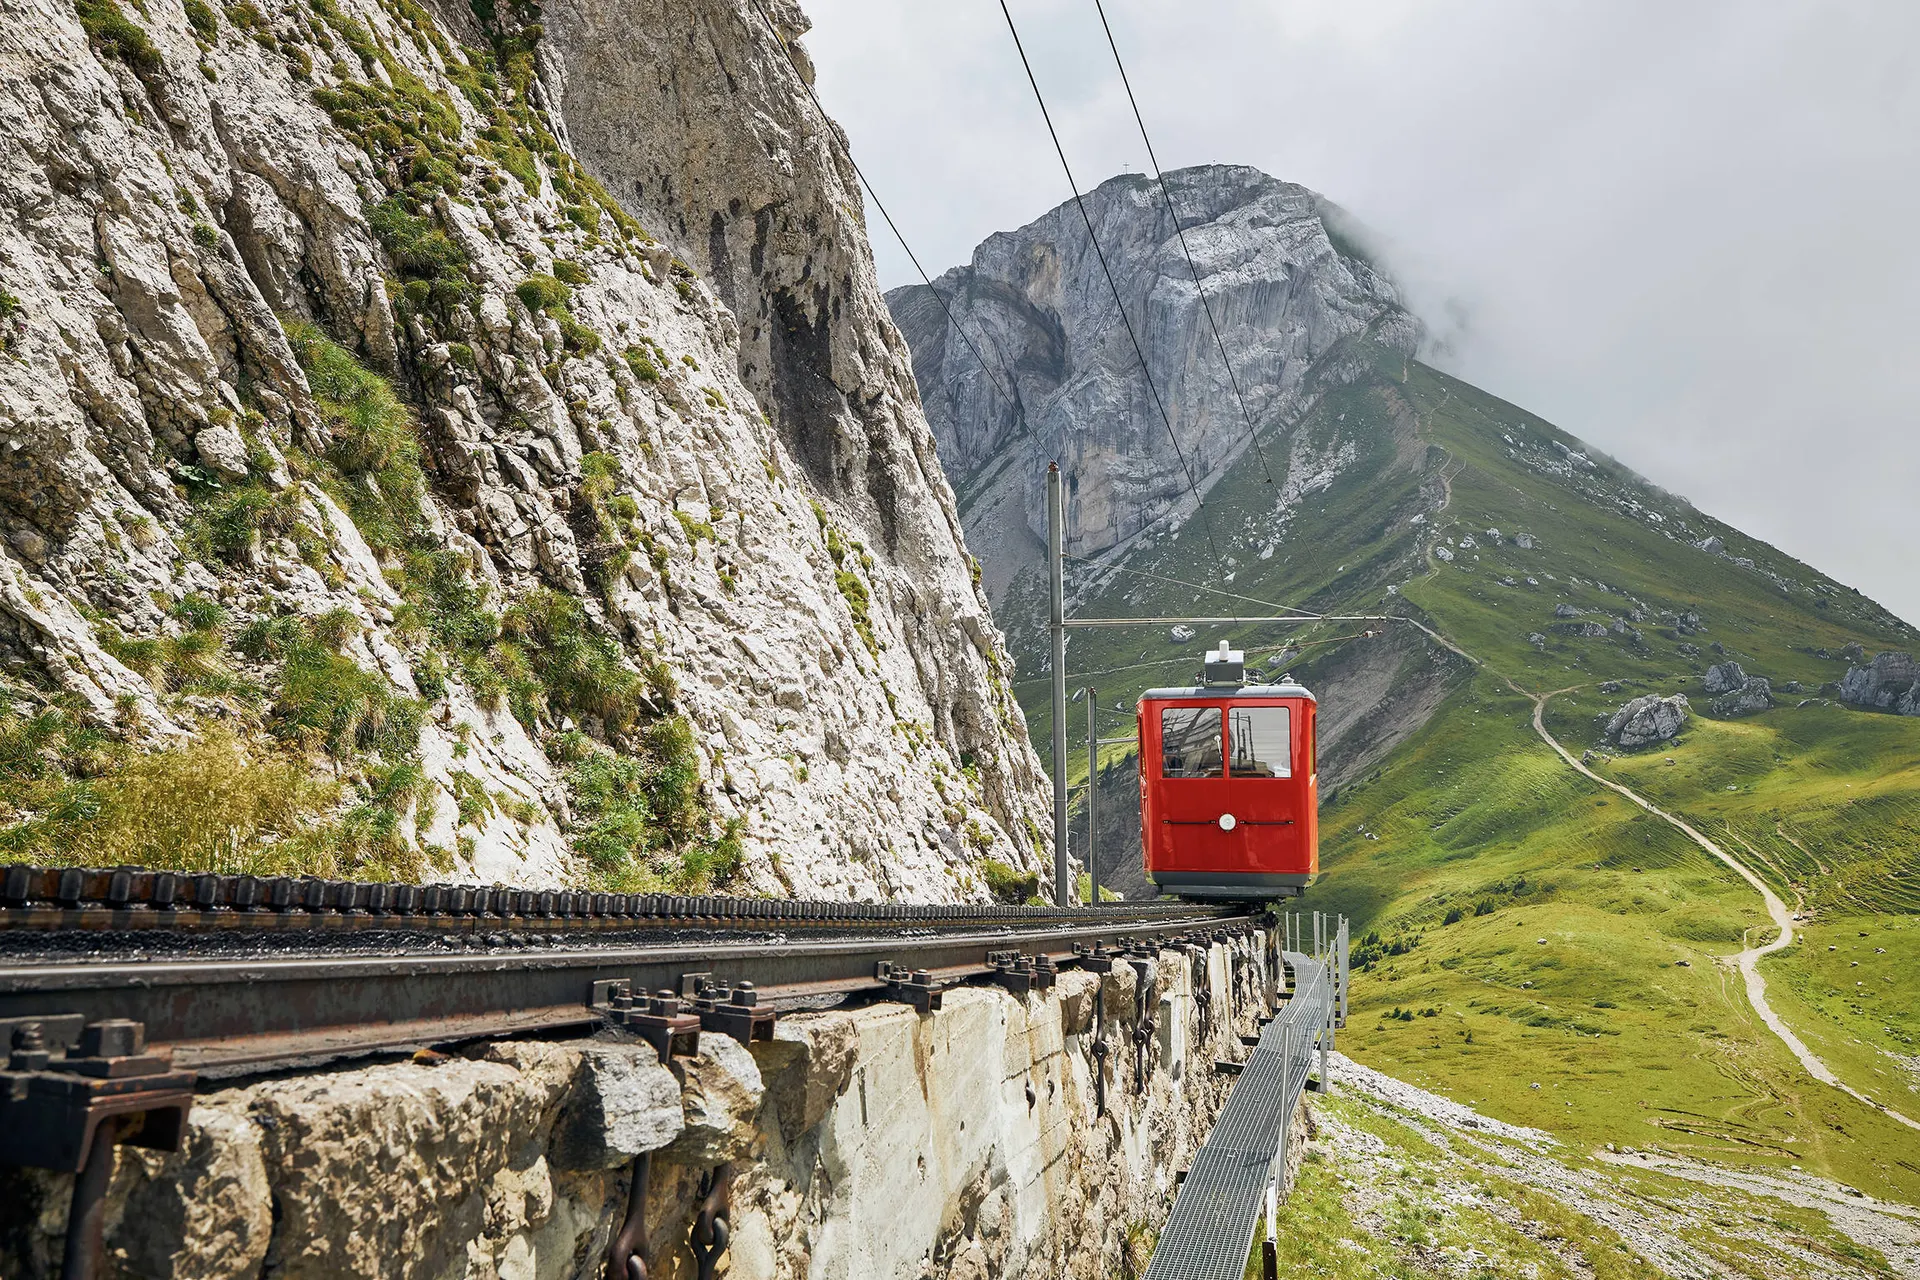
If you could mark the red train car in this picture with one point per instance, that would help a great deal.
(1229, 797)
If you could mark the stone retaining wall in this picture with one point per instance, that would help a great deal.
(869, 1143)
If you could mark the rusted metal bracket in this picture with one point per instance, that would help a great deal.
(1143, 1024)
(70, 1091)
(627, 1258)
(909, 986)
(1093, 959)
(63, 1079)
(657, 1018)
(1021, 974)
(735, 1012)
(711, 1227)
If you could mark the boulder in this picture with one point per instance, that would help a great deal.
(1524, 541)
(221, 448)
(1724, 678)
(1442, 553)
(1537, 639)
(1891, 682)
(1648, 719)
(1754, 694)
(1566, 611)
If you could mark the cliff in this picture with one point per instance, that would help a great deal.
(1061, 379)
(471, 442)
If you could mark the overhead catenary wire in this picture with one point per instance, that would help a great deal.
(1126, 321)
(1195, 586)
(1253, 435)
(1168, 662)
(1012, 389)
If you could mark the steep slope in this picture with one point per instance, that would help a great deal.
(1509, 561)
(381, 497)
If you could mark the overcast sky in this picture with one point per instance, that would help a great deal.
(1686, 230)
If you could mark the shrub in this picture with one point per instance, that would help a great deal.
(542, 293)
(578, 669)
(569, 271)
(116, 35)
(207, 806)
(643, 368)
(225, 528)
(1006, 884)
(200, 18)
(640, 815)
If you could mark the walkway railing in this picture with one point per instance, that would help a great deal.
(1243, 1166)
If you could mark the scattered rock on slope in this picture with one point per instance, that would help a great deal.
(1724, 678)
(1891, 682)
(1754, 694)
(1648, 719)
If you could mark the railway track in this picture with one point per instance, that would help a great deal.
(121, 989)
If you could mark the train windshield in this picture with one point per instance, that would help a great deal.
(1262, 742)
(1190, 743)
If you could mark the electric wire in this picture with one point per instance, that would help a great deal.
(1195, 586)
(1013, 391)
(1168, 662)
(1139, 354)
(1253, 436)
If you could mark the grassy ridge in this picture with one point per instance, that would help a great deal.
(1472, 842)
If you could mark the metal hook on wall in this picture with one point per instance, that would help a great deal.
(627, 1260)
(711, 1228)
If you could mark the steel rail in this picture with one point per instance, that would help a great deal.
(230, 1012)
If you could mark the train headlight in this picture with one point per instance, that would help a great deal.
(1228, 822)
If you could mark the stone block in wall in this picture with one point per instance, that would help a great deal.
(720, 1094)
(1077, 992)
(622, 1102)
(205, 1210)
(399, 1170)
(808, 1065)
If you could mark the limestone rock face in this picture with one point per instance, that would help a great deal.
(1724, 677)
(1648, 719)
(1062, 379)
(709, 441)
(1891, 682)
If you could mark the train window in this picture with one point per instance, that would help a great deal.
(1190, 742)
(1262, 742)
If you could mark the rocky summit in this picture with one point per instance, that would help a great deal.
(410, 467)
(1285, 283)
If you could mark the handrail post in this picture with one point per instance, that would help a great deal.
(1063, 894)
(1093, 796)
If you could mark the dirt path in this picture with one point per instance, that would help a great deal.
(1747, 961)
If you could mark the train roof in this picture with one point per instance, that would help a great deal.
(1232, 691)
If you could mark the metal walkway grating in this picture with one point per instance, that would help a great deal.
(1210, 1231)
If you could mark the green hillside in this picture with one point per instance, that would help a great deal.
(1522, 924)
